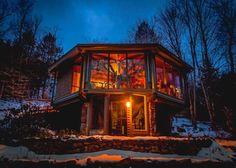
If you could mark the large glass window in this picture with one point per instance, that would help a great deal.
(76, 78)
(168, 78)
(160, 75)
(123, 71)
(136, 71)
(117, 71)
(99, 71)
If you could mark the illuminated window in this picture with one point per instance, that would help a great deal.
(136, 71)
(168, 78)
(160, 75)
(99, 71)
(127, 71)
(123, 71)
(118, 71)
(76, 79)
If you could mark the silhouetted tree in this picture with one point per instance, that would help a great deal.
(225, 11)
(6, 10)
(144, 33)
(172, 27)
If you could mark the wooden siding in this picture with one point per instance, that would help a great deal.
(64, 82)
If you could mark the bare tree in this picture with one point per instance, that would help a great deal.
(189, 23)
(23, 20)
(5, 11)
(171, 26)
(206, 26)
(225, 11)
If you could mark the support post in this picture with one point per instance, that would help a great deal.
(106, 114)
(89, 116)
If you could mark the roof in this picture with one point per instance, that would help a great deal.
(79, 49)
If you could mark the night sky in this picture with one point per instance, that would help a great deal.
(86, 21)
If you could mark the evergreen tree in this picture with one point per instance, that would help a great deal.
(145, 34)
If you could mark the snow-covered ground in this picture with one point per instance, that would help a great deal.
(184, 127)
(6, 105)
(213, 153)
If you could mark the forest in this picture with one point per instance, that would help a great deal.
(138, 118)
(202, 33)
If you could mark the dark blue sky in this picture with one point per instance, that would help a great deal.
(83, 21)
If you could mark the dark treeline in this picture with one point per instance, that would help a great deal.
(25, 52)
(203, 33)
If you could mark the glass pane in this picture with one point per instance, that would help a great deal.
(76, 78)
(138, 112)
(178, 85)
(160, 75)
(118, 117)
(99, 71)
(136, 71)
(117, 71)
(168, 78)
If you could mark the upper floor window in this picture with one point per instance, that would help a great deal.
(136, 70)
(117, 71)
(99, 71)
(168, 78)
(76, 78)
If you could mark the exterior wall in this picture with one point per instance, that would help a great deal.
(152, 115)
(64, 82)
(153, 109)
(84, 119)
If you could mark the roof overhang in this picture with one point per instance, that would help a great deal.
(79, 49)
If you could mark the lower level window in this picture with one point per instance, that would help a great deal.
(138, 112)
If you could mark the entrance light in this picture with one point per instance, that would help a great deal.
(128, 104)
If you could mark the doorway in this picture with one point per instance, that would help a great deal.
(128, 114)
(118, 117)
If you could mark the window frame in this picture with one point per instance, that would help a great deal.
(145, 113)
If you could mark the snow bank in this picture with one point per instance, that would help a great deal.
(109, 137)
(7, 105)
(213, 153)
(184, 127)
(14, 104)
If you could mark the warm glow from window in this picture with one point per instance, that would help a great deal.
(76, 79)
(128, 104)
(168, 78)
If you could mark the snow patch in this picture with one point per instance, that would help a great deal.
(216, 152)
(184, 127)
(111, 155)
(7, 105)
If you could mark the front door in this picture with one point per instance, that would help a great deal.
(118, 118)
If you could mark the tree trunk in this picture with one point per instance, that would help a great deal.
(208, 104)
(231, 57)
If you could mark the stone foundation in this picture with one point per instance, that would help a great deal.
(181, 146)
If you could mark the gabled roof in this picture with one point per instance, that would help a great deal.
(79, 49)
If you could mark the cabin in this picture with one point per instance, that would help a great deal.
(119, 89)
